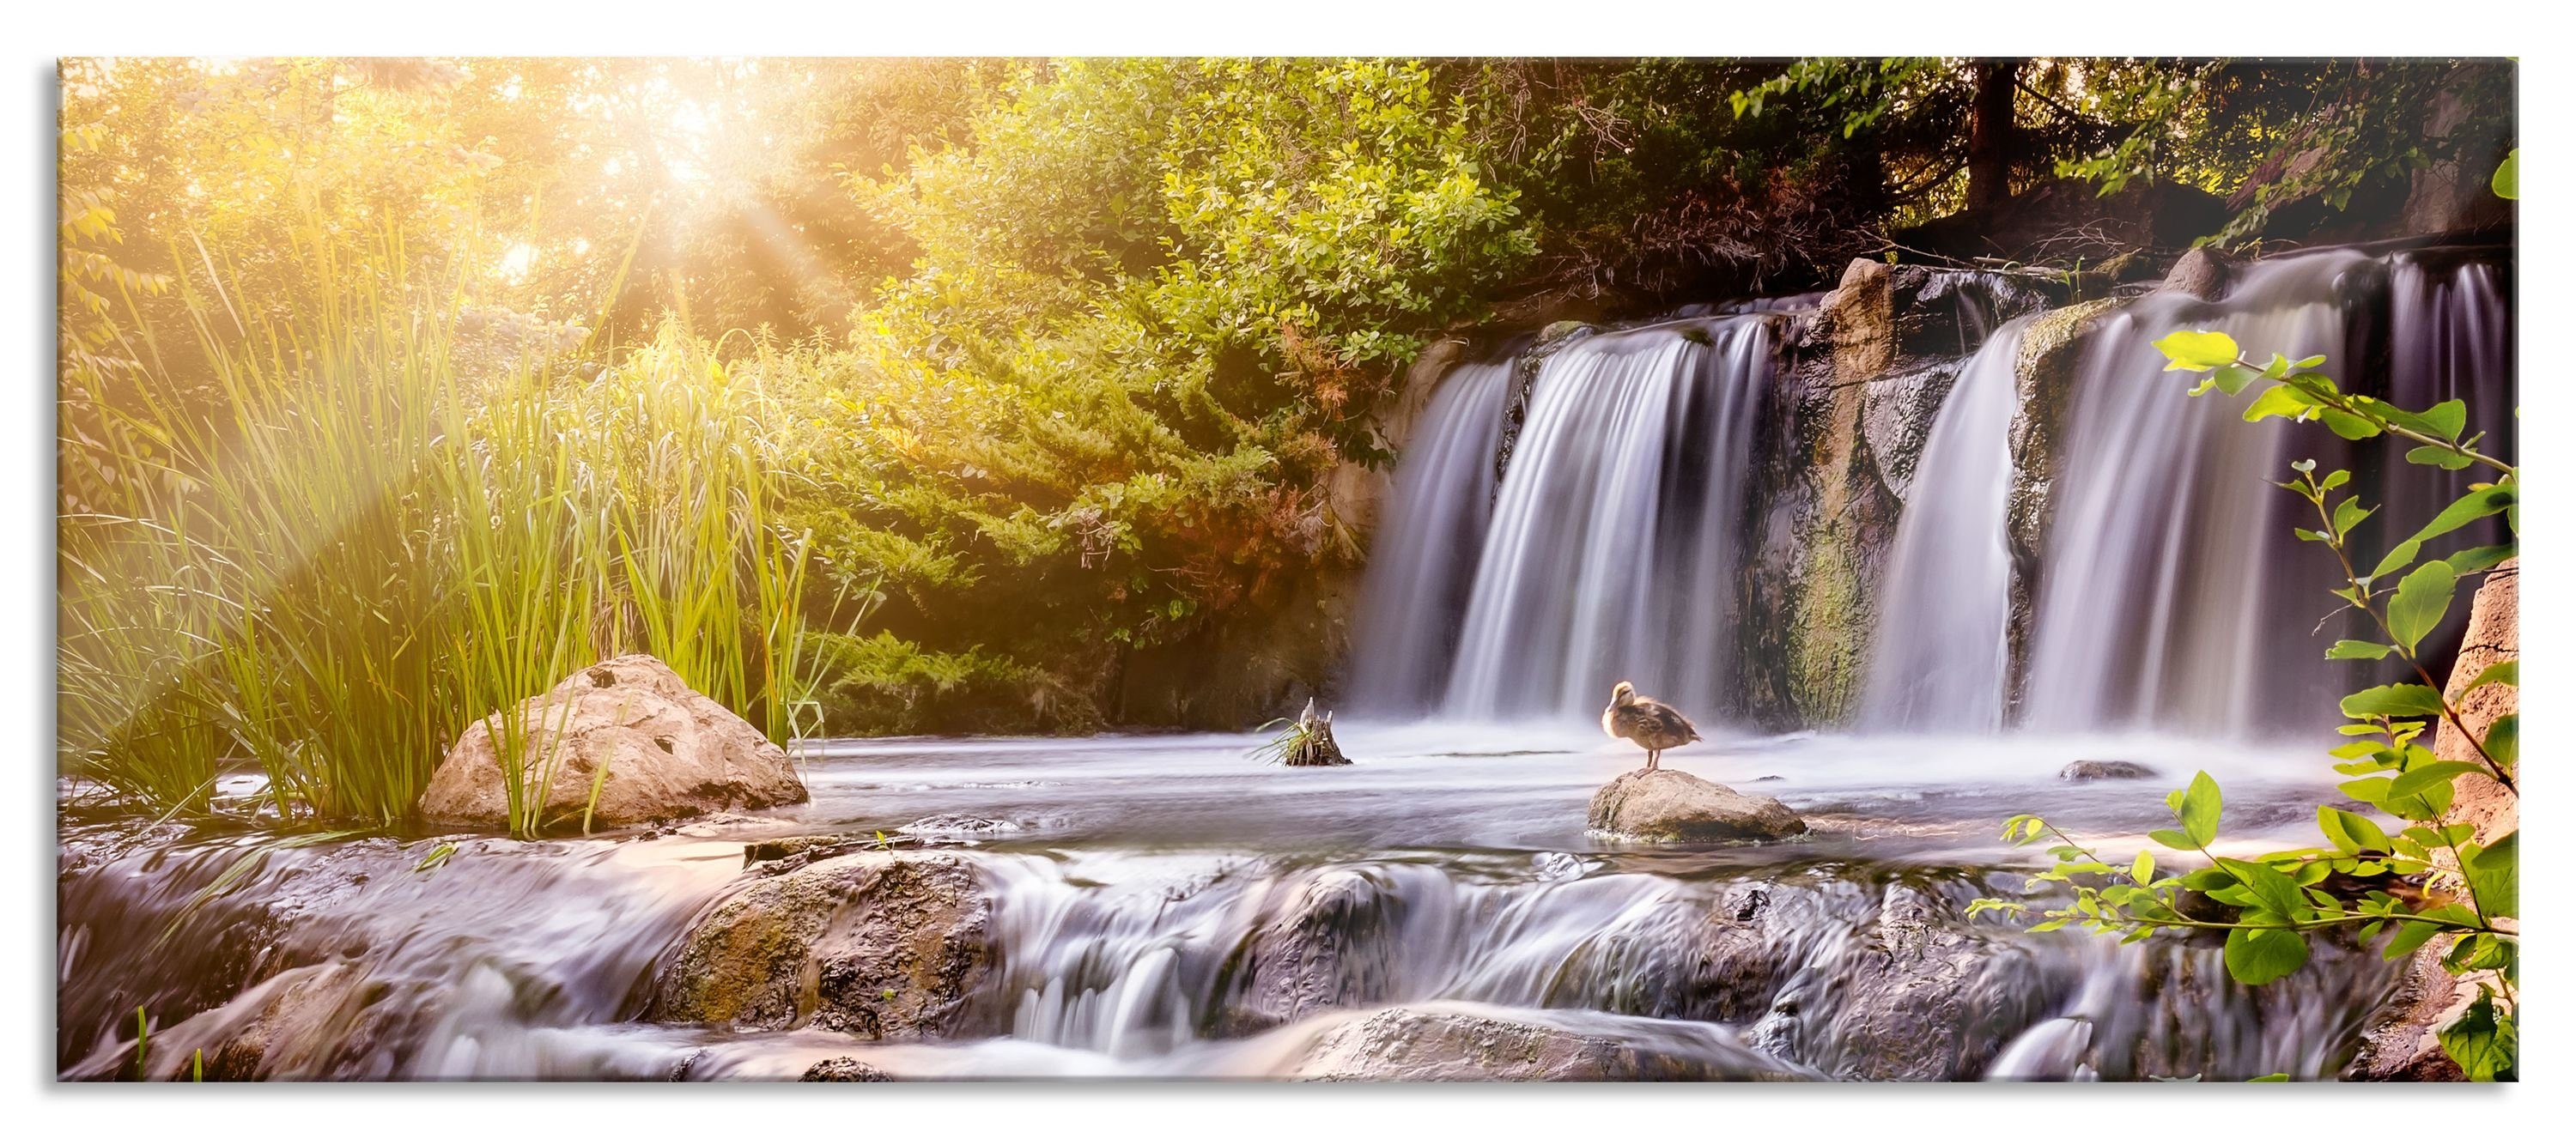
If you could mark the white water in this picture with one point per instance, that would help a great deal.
(1941, 658)
(1146, 889)
(2172, 592)
(1432, 535)
(1614, 545)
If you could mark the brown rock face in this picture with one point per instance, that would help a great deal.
(885, 946)
(1672, 806)
(667, 752)
(2403, 1044)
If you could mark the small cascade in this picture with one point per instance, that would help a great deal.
(1431, 537)
(2173, 594)
(1614, 543)
(1941, 656)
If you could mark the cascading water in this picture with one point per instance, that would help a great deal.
(1614, 542)
(1433, 532)
(1941, 656)
(1127, 940)
(2173, 594)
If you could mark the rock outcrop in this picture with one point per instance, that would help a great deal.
(654, 748)
(1332, 946)
(1918, 995)
(1665, 805)
(2402, 1043)
(880, 945)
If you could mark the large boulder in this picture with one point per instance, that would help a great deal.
(1332, 943)
(656, 749)
(1665, 805)
(1916, 995)
(1440, 1044)
(882, 945)
(2403, 1042)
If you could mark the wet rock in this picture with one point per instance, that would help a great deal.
(1332, 945)
(324, 1021)
(1916, 995)
(2044, 375)
(2088, 770)
(2203, 272)
(1673, 806)
(666, 752)
(1440, 1045)
(881, 945)
(843, 1070)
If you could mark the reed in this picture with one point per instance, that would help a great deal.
(344, 550)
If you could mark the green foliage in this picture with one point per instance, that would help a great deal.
(2429, 881)
(369, 550)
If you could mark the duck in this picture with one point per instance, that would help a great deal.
(1651, 724)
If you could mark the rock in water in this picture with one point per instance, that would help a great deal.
(2088, 770)
(843, 1070)
(1440, 1045)
(879, 945)
(669, 752)
(1672, 806)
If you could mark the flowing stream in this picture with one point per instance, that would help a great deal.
(1167, 906)
(1140, 885)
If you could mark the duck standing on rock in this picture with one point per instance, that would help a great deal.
(1650, 724)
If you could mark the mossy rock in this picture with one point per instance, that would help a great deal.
(881, 945)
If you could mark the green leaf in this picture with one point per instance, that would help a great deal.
(2357, 650)
(2143, 870)
(2416, 780)
(2351, 833)
(2173, 839)
(2262, 956)
(2479, 559)
(2411, 936)
(2279, 399)
(2347, 424)
(2422, 599)
(2199, 810)
(2443, 457)
(2463, 510)
(2448, 418)
(2399, 700)
(2274, 1078)
(2350, 513)
(2492, 876)
(2507, 182)
(2504, 740)
(2271, 889)
(2232, 379)
(2483, 1041)
(2501, 672)
(2188, 351)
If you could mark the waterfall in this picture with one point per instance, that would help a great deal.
(2172, 593)
(1941, 655)
(1614, 543)
(1433, 532)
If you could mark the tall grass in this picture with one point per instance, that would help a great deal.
(346, 551)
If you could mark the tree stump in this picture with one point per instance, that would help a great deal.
(1314, 746)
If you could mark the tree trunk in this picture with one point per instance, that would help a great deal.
(1993, 142)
